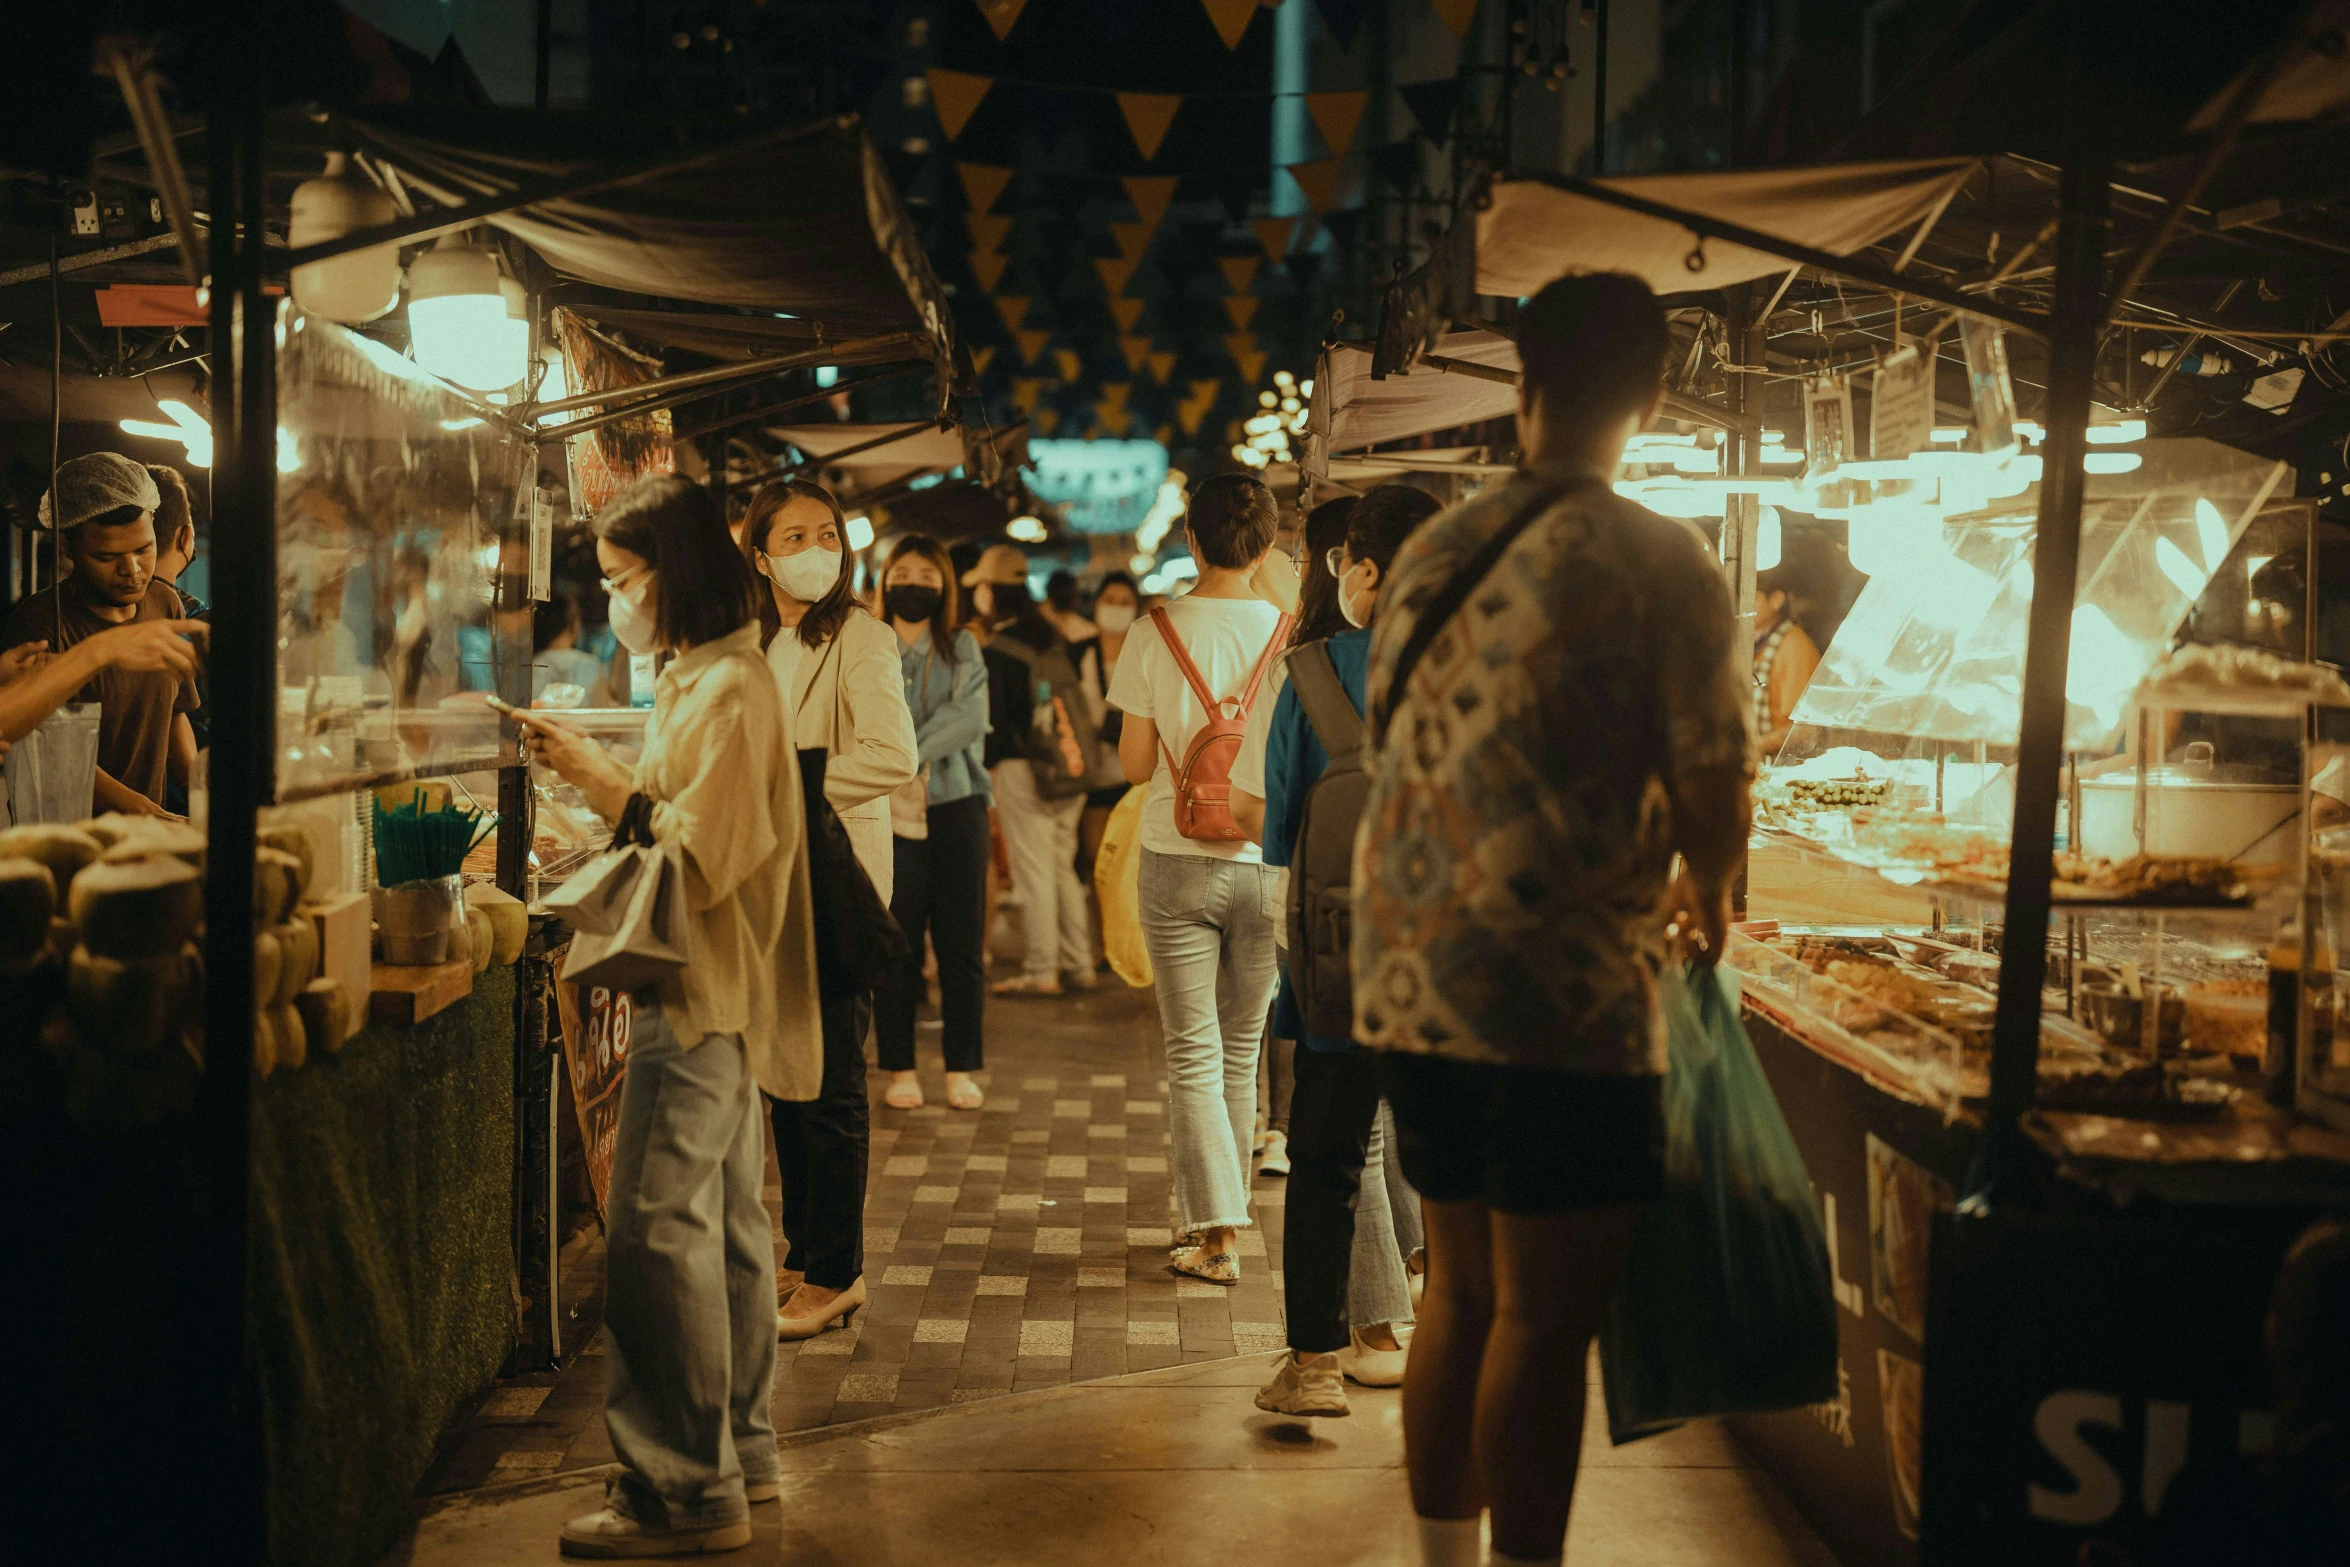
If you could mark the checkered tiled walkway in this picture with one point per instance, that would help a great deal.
(1021, 1247)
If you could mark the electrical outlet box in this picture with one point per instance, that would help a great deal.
(85, 214)
(118, 218)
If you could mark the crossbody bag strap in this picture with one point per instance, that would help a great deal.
(1431, 618)
(1328, 708)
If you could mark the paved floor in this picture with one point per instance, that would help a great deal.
(1019, 1248)
(1167, 1468)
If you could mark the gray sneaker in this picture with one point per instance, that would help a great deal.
(1305, 1385)
(615, 1533)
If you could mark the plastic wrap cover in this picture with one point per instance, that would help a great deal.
(1934, 645)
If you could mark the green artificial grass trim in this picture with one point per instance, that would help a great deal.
(381, 1294)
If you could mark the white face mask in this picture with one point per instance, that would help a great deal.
(632, 622)
(1114, 618)
(1346, 603)
(807, 576)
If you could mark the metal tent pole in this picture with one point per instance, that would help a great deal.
(2056, 552)
(242, 673)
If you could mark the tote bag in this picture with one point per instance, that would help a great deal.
(627, 909)
(1117, 882)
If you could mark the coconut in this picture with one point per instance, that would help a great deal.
(293, 1043)
(123, 1004)
(137, 908)
(289, 838)
(297, 943)
(277, 885)
(326, 1012)
(509, 918)
(65, 850)
(28, 897)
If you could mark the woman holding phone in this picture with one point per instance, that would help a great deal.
(837, 668)
(690, 1350)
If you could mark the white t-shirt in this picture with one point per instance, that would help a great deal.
(1225, 638)
(1248, 768)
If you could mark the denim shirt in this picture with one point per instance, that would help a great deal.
(949, 704)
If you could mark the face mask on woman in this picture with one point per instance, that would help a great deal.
(632, 622)
(807, 576)
(1346, 604)
(910, 601)
(1114, 618)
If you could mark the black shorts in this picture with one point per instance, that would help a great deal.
(1524, 1140)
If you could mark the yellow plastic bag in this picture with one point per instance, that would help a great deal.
(1117, 882)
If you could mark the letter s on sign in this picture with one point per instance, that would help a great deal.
(2097, 1489)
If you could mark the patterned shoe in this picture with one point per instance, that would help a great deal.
(1305, 1385)
(1222, 1267)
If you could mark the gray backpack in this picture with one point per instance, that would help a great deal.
(1321, 866)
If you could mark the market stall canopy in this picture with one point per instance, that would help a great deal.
(1533, 232)
(2311, 83)
(1351, 410)
(878, 456)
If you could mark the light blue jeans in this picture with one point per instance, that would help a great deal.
(1387, 1230)
(689, 1299)
(1209, 925)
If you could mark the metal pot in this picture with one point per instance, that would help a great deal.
(2193, 809)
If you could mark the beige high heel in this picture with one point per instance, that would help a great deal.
(834, 1313)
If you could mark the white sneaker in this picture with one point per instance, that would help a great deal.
(1368, 1366)
(762, 1490)
(612, 1533)
(1305, 1385)
(1275, 1159)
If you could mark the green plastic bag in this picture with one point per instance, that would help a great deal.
(1728, 1306)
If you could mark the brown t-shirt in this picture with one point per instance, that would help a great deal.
(135, 721)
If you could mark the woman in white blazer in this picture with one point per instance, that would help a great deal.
(838, 669)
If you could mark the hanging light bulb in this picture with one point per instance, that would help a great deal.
(363, 284)
(457, 318)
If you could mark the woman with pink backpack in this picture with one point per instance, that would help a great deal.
(1186, 681)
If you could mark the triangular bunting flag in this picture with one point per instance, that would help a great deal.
(980, 358)
(1165, 435)
(956, 96)
(1150, 194)
(1148, 114)
(1127, 311)
(1115, 418)
(1242, 308)
(1455, 14)
(1001, 14)
(1116, 392)
(1433, 105)
(982, 184)
(1274, 234)
(1071, 366)
(1398, 163)
(1162, 366)
(1336, 114)
(989, 268)
(1319, 180)
(1345, 18)
(1032, 344)
(1025, 390)
(1245, 353)
(986, 233)
(1014, 309)
(1115, 270)
(1239, 271)
(1136, 349)
(1194, 408)
(1230, 18)
(1045, 421)
(1131, 237)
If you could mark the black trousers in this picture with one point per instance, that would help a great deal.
(1331, 1113)
(942, 889)
(821, 1147)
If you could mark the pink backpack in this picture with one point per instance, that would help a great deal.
(1203, 779)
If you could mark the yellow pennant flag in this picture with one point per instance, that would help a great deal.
(1164, 435)
(1239, 271)
(1116, 392)
(1455, 14)
(1230, 18)
(1336, 114)
(1319, 180)
(1115, 418)
(1148, 115)
(1162, 366)
(986, 233)
(1071, 366)
(980, 358)
(989, 268)
(1136, 350)
(982, 184)
(1115, 270)
(1001, 14)
(1246, 354)
(1150, 194)
(1131, 238)
(1032, 344)
(1025, 390)
(1045, 421)
(1014, 309)
(1194, 408)
(1127, 312)
(1274, 234)
(1242, 308)
(956, 96)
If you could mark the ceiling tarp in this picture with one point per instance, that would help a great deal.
(1351, 410)
(802, 223)
(2312, 82)
(1533, 232)
(924, 451)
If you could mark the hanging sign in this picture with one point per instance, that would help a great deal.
(1827, 426)
(542, 546)
(1901, 404)
(597, 1026)
(1988, 380)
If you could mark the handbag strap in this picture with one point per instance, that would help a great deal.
(636, 822)
(1433, 616)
